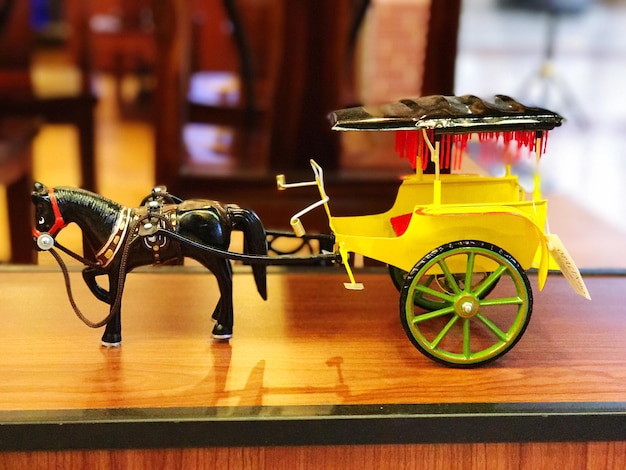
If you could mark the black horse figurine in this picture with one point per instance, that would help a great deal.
(118, 239)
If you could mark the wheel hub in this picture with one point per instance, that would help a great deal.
(466, 306)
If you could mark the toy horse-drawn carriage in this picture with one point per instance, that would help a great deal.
(457, 245)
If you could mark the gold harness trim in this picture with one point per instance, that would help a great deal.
(114, 242)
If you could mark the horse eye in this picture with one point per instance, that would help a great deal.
(41, 220)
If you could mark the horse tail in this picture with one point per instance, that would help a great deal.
(255, 242)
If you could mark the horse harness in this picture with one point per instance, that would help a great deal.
(143, 222)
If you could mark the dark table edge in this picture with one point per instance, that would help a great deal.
(150, 428)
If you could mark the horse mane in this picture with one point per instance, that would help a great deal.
(88, 201)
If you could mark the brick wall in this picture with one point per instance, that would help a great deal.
(392, 50)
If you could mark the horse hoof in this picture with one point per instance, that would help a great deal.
(111, 340)
(221, 332)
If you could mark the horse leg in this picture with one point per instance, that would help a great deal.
(217, 311)
(112, 336)
(223, 314)
(89, 275)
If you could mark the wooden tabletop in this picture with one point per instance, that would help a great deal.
(311, 343)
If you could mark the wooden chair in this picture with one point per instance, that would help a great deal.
(228, 101)
(17, 94)
(122, 43)
(16, 168)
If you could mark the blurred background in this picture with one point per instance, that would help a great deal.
(214, 97)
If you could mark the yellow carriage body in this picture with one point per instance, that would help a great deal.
(475, 207)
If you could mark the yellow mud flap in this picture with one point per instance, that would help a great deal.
(567, 265)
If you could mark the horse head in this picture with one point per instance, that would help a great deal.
(48, 218)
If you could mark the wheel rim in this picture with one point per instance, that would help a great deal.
(479, 316)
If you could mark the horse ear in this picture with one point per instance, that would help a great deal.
(39, 191)
(40, 188)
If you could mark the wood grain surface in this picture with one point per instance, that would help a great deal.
(311, 343)
(518, 456)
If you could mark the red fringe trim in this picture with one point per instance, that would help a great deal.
(412, 146)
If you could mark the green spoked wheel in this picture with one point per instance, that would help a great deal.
(481, 313)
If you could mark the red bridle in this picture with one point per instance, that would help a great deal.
(59, 223)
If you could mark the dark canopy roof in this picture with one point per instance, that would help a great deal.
(447, 115)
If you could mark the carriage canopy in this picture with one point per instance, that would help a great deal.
(447, 115)
(452, 121)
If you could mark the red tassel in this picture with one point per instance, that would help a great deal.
(460, 146)
(411, 145)
(400, 143)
